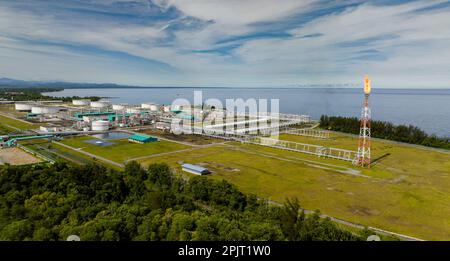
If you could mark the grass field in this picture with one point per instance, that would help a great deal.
(58, 152)
(10, 109)
(123, 150)
(17, 124)
(5, 129)
(407, 192)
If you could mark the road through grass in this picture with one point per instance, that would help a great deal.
(406, 192)
(123, 150)
(17, 123)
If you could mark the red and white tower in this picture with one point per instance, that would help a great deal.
(363, 156)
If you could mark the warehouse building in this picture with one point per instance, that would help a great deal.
(195, 169)
(142, 138)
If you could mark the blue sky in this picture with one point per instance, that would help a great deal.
(251, 43)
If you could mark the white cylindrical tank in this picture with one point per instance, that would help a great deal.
(50, 109)
(147, 105)
(83, 102)
(24, 106)
(119, 107)
(36, 110)
(154, 107)
(175, 107)
(134, 110)
(99, 104)
(100, 125)
(150, 106)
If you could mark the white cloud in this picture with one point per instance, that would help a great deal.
(238, 12)
(411, 42)
(414, 47)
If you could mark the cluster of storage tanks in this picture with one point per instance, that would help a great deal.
(93, 104)
(150, 106)
(100, 104)
(45, 109)
(24, 106)
(144, 107)
(97, 104)
(123, 106)
(156, 107)
(36, 108)
(119, 107)
(83, 102)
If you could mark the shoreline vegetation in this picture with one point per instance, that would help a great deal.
(385, 130)
(52, 202)
(35, 94)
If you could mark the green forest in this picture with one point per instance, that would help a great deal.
(51, 202)
(385, 130)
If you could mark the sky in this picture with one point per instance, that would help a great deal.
(232, 43)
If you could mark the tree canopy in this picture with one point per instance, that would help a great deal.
(385, 130)
(52, 202)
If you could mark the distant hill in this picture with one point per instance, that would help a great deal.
(8, 82)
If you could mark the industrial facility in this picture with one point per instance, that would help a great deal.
(85, 117)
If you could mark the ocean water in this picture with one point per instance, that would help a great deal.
(427, 109)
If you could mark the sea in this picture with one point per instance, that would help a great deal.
(428, 109)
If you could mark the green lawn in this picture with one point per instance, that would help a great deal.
(407, 192)
(56, 152)
(17, 124)
(78, 157)
(5, 129)
(123, 150)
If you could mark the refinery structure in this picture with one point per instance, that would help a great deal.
(84, 117)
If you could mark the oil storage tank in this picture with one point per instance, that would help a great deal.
(50, 109)
(99, 104)
(150, 106)
(100, 125)
(24, 106)
(81, 102)
(119, 107)
(134, 110)
(36, 110)
(146, 105)
(154, 107)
